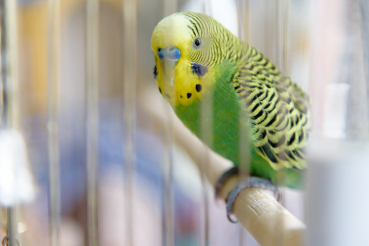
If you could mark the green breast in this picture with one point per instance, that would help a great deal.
(223, 118)
(226, 127)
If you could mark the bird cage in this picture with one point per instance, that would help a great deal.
(92, 153)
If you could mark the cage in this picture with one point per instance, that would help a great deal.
(92, 153)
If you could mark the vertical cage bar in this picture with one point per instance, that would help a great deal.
(279, 36)
(11, 226)
(206, 137)
(282, 19)
(170, 6)
(244, 146)
(168, 227)
(286, 19)
(206, 111)
(2, 62)
(130, 69)
(244, 33)
(53, 136)
(9, 60)
(364, 6)
(9, 94)
(243, 8)
(92, 119)
(207, 7)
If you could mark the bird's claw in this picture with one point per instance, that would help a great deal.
(249, 182)
(223, 179)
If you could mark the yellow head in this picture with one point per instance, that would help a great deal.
(182, 43)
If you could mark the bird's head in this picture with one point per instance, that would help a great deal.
(183, 44)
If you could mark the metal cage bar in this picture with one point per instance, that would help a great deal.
(53, 135)
(130, 79)
(170, 6)
(92, 119)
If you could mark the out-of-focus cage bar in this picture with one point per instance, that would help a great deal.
(52, 124)
(206, 118)
(9, 108)
(169, 6)
(130, 81)
(9, 62)
(92, 119)
(243, 16)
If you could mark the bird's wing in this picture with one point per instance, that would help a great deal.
(278, 110)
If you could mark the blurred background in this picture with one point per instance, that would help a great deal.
(96, 162)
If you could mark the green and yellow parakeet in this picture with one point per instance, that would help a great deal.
(197, 58)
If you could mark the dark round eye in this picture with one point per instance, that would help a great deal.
(197, 43)
(161, 53)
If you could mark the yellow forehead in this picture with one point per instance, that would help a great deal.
(171, 31)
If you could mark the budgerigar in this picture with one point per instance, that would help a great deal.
(196, 58)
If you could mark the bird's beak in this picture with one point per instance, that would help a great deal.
(169, 57)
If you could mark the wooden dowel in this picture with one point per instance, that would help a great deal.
(265, 218)
(256, 209)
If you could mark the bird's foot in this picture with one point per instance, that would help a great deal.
(249, 182)
(223, 179)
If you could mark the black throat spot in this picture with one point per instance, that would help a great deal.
(155, 72)
(199, 69)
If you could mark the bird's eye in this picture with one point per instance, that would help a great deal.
(197, 43)
(161, 53)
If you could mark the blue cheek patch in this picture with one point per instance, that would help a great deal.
(199, 69)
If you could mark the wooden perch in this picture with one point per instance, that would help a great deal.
(256, 209)
(265, 218)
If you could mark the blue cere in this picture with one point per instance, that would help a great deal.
(170, 53)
